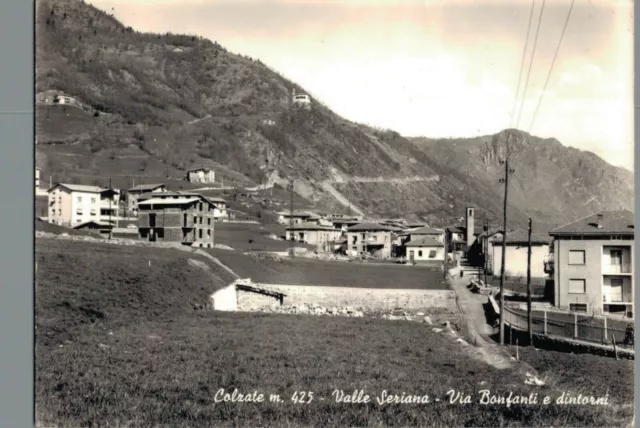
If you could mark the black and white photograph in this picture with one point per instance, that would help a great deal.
(334, 213)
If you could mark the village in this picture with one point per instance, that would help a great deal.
(583, 268)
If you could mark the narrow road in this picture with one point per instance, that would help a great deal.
(479, 331)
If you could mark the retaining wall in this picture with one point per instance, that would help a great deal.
(373, 299)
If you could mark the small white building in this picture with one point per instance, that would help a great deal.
(201, 175)
(425, 248)
(302, 100)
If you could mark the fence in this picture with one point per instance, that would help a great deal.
(569, 325)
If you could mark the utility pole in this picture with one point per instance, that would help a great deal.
(110, 193)
(505, 180)
(485, 250)
(291, 248)
(530, 323)
(446, 254)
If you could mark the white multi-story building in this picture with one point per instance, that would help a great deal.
(74, 204)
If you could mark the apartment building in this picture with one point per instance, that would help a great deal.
(74, 204)
(136, 192)
(185, 218)
(593, 264)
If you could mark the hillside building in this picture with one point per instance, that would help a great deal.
(73, 204)
(188, 219)
(135, 192)
(593, 264)
(201, 175)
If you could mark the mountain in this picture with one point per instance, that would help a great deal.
(151, 106)
(555, 183)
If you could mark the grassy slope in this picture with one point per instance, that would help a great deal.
(117, 343)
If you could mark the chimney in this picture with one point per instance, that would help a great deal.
(469, 225)
(599, 221)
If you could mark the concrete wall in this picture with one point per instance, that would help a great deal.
(377, 299)
(591, 271)
(225, 299)
(517, 260)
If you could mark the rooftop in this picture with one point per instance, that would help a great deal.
(79, 188)
(309, 226)
(370, 227)
(145, 187)
(425, 230)
(599, 223)
(424, 241)
(521, 236)
(165, 201)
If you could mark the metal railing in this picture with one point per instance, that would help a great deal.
(581, 327)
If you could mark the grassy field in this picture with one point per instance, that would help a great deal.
(119, 344)
(302, 271)
(238, 235)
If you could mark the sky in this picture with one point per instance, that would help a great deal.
(434, 68)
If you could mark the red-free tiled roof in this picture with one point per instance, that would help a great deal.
(599, 223)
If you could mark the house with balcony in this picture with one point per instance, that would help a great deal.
(314, 234)
(74, 204)
(185, 218)
(136, 192)
(593, 264)
(370, 239)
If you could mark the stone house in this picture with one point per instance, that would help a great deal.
(201, 175)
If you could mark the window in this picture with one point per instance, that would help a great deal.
(195, 220)
(80, 199)
(209, 233)
(184, 220)
(374, 238)
(200, 233)
(93, 212)
(577, 286)
(432, 254)
(578, 307)
(93, 200)
(152, 220)
(420, 253)
(209, 221)
(59, 212)
(576, 257)
(411, 254)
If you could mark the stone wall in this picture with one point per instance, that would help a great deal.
(373, 299)
(250, 301)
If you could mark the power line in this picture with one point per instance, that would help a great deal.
(566, 23)
(533, 53)
(524, 53)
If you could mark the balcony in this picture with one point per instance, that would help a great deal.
(548, 267)
(618, 298)
(618, 269)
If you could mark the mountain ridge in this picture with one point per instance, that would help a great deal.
(162, 103)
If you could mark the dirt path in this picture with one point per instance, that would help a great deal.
(471, 305)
